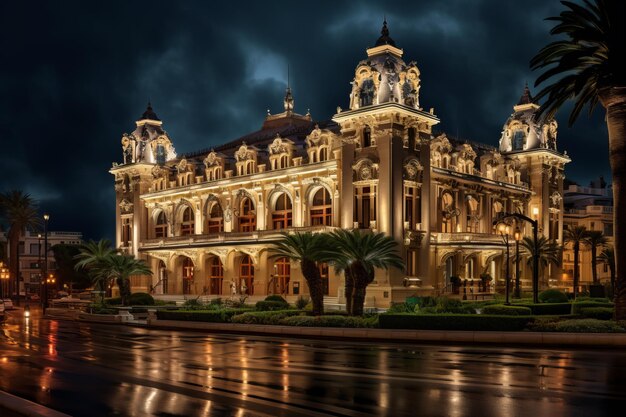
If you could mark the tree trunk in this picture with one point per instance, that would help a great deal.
(349, 290)
(358, 300)
(576, 259)
(314, 281)
(594, 265)
(614, 100)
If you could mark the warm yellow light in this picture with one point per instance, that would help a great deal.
(518, 234)
(535, 211)
(46, 217)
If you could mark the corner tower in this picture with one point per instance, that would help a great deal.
(385, 158)
(144, 153)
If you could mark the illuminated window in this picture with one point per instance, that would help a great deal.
(215, 219)
(246, 275)
(321, 209)
(216, 276)
(282, 215)
(126, 232)
(446, 209)
(412, 209)
(188, 224)
(187, 275)
(160, 228)
(364, 206)
(247, 216)
(472, 215)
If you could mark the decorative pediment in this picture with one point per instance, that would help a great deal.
(441, 144)
(278, 146)
(244, 153)
(184, 166)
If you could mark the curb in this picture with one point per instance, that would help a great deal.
(26, 408)
(607, 340)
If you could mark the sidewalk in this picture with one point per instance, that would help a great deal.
(12, 406)
(609, 340)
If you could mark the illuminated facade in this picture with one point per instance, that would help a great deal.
(204, 221)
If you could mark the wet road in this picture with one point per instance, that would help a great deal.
(102, 370)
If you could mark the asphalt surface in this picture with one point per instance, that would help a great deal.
(111, 370)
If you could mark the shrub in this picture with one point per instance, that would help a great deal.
(453, 322)
(504, 310)
(579, 326)
(264, 317)
(164, 303)
(444, 305)
(329, 321)
(302, 302)
(115, 301)
(549, 308)
(595, 299)
(141, 299)
(599, 313)
(400, 308)
(101, 309)
(552, 296)
(578, 306)
(216, 302)
(276, 297)
(271, 305)
(213, 316)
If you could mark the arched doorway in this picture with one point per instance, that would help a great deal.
(282, 215)
(188, 270)
(246, 275)
(282, 275)
(162, 277)
(216, 276)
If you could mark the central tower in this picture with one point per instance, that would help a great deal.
(386, 157)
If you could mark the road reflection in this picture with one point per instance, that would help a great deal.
(105, 370)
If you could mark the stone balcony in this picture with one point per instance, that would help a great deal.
(226, 238)
(472, 239)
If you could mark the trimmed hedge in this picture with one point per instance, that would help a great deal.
(264, 317)
(504, 310)
(212, 316)
(549, 309)
(453, 322)
(276, 298)
(552, 296)
(579, 326)
(140, 299)
(271, 305)
(329, 321)
(599, 313)
(578, 306)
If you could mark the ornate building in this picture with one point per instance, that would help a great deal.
(204, 221)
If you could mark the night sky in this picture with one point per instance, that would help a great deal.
(74, 76)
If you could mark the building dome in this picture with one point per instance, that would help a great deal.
(522, 132)
(384, 76)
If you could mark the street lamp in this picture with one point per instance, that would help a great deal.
(44, 298)
(505, 231)
(4, 278)
(518, 237)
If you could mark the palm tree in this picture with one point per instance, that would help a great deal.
(607, 256)
(20, 212)
(306, 248)
(576, 236)
(94, 257)
(549, 252)
(595, 240)
(121, 267)
(591, 68)
(359, 254)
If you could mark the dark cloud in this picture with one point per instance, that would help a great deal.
(76, 75)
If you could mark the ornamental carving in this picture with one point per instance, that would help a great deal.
(555, 199)
(243, 153)
(211, 159)
(183, 166)
(413, 170)
(277, 146)
(126, 206)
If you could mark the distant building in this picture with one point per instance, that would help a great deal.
(205, 221)
(32, 254)
(591, 207)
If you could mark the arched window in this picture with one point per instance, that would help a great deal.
(472, 224)
(322, 209)
(247, 216)
(284, 161)
(187, 225)
(187, 275)
(367, 137)
(282, 275)
(366, 95)
(160, 228)
(215, 219)
(163, 277)
(216, 276)
(160, 154)
(496, 209)
(446, 212)
(283, 213)
(518, 140)
(246, 275)
(323, 154)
